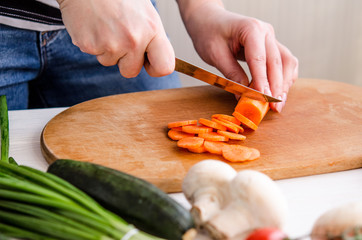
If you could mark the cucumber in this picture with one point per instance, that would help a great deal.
(137, 201)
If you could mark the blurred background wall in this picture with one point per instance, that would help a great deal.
(325, 35)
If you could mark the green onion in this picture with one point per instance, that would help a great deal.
(4, 123)
(37, 205)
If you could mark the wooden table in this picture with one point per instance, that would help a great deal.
(308, 197)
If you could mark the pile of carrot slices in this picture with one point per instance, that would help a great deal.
(213, 135)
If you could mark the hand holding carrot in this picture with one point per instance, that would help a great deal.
(222, 38)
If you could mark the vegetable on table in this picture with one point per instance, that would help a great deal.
(267, 234)
(230, 205)
(177, 134)
(236, 153)
(206, 135)
(226, 117)
(213, 136)
(41, 206)
(222, 128)
(181, 123)
(190, 142)
(135, 200)
(4, 123)
(338, 221)
(38, 205)
(204, 187)
(252, 109)
(214, 147)
(245, 121)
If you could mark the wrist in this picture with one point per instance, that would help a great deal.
(189, 7)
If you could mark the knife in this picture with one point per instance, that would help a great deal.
(226, 84)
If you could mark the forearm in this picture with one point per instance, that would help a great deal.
(188, 7)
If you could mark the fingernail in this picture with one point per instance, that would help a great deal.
(279, 105)
(267, 91)
(284, 98)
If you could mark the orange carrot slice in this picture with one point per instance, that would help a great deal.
(213, 136)
(226, 117)
(235, 153)
(245, 121)
(177, 128)
(252, 109)
(231, 127)
(196, 129)
(231, 135)
(212, 124)
(255, 154)
(201, 149)
(214, 147)
(181, 123)
(190, 142)
(177, 135)
(241, 129)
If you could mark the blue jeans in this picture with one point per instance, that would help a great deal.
(44, 69)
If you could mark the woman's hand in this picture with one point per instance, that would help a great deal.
(120, 32)
(221, 38)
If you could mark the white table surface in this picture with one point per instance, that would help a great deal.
(308, 197)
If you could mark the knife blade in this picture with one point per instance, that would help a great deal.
(226, 84)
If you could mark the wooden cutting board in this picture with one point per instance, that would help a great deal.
(319, 131)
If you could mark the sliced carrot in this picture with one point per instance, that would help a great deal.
(245, 121)
(213, 136)
(255, 154)
(177, 128)
(181, 123)
(226, 117)
(190, 142)
(241, 129)
(252, 109)
(228, 125)
(231, 135)
(201, 149)
(212, 124)
(214, 147)
(177, 135)
(196, 129)
(235, 153)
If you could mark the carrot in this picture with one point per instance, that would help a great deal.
(196, 129)
(213, 136)
(245, 121)
(231, 135)
(177, 135)
(227, 117)
(252, 109)
(241, 129)
(214, 147)
(212, 124)
(236, 153)
(231, 127)
(181, 123)
(201, 149)
(255, 154)
(190, 142)
(176, 128)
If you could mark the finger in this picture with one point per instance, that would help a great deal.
(109, 58)
(255, 57)
(160, 57)
(131, 64)
(290, 69)
(226, 63)
(274, 71)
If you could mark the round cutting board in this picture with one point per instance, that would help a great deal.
(319, 131)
